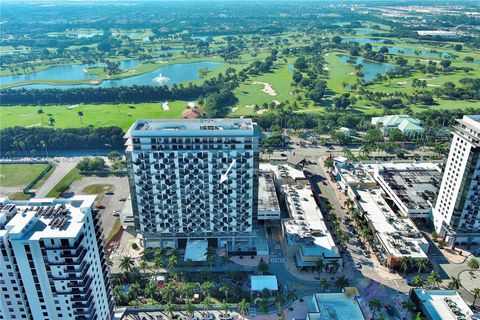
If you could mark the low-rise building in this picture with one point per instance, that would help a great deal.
(268, 206)
(441, 305)
(411, 186)
(395, 237)
(306, 236)
(409, 126)
(261, 283)
(339, 306)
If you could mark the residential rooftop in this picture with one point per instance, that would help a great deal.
(399, 236)
(267, 196)
(43, 218)
(166, 126)
(414, 186)
(307, 227)
(443, 304)
(284, 173)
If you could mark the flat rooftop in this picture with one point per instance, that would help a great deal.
(306, 227)
(267, 196)
(165, 126)
(399, 236)
(284, 173)
(339, 306)
(353, 173)
(414, 184)
(258, 283)
(444, 304)
(43, 218)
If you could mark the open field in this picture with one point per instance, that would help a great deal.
(97, 115)
(19, 174)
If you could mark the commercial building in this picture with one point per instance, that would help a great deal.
(52, 262)
(409, 126)
(395, 237)
(456, 215)
(339, 306)
(194, 180)
(412, 186)
(441, 304)
(268, 206)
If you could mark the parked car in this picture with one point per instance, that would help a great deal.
(109, 193)
(116, 213)
(100, 206)
(122, 199)
(358, 265)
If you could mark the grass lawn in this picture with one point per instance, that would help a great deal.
(19, 174)
(338, 72)
(65, 183)
(97, 115)
(97, 188)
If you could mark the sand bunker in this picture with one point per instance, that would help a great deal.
(261, 111)
(165, 106)
(433, 85)
(34, 125)
(234, 109)
(26, 115)
(267, 88)
(250, 106)
(73, 106)
(402, 82)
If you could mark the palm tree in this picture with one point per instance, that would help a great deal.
(325, 284)
(126, 264)
(473, 264)
(172, 261)
(262, 267)
(210, 255)
(417, 281)
(405, 264)
(292, 295)
(168, 292)
(187, 291)
(225, 260)
(341, 282)
(320, 264)
(262, 304)
(40, 112)
(434, 279)
(243, 307)
(158, 253)
(421, 264)
(335, 264)
(143, 266)
(157, 263)
(170, 309)
(455, 283)
(225, 307)
(375, 305)
(409, 306)
(80, 115)
(52, 121)
(188, 308)
(207, 288)
(279, 301)
(476, 295)
(151, 291)
(225, 288)
(207, 304)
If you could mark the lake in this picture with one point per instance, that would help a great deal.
(370, 68)
(64, 73)
(413, 52)
(363, 40)
(166, 75)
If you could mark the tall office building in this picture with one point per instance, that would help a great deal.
(456, 214)
(194, 180)
(52, 263)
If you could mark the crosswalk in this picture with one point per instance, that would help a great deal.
(279, 260)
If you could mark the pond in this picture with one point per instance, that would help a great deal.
(166, 75)
(370, 68)
(363, 40)
(413, 52)
(64, 73)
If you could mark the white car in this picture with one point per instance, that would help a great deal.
(116, 213)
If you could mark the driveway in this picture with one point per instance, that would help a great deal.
(111, 202)
(63, 166)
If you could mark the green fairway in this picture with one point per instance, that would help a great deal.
(251, 93)
(97, 115)
(19, 174)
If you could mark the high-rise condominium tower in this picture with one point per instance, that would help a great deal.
(52, 262)
(456, 214)
(194, 180)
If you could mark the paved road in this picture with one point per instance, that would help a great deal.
(62, 167)
(111, 202)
